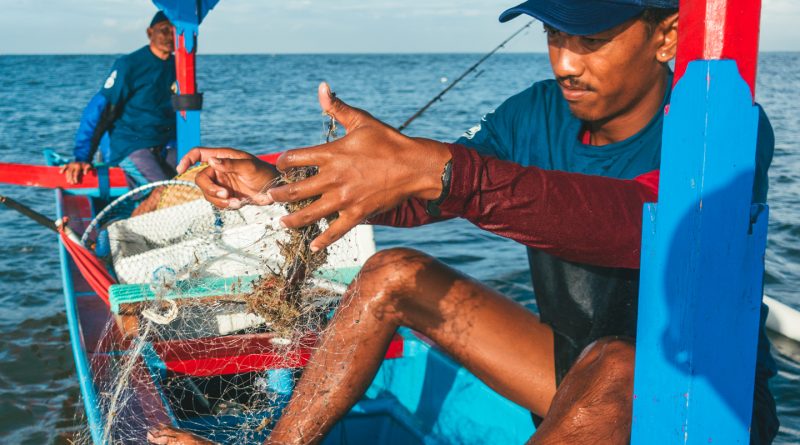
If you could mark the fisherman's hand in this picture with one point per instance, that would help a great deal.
(74, 171)
(166, 435)
(233, 178)
(372, 169)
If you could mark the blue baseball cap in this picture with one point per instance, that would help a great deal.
(584, 17)
(159, 17)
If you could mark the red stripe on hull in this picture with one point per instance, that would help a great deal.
(49, 177)
(241, 353)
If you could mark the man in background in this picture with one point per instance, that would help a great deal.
(134, 108)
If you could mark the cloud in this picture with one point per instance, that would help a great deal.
(278, 26)
(101, 42)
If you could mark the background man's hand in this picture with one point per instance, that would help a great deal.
(373, 168)
(74, 171)
(233, 178)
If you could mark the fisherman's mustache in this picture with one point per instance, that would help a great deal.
(574, 83)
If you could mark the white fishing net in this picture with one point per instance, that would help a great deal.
(208, 328)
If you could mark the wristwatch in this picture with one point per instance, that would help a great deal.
(432, 207)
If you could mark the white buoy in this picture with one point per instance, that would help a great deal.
(783, 319)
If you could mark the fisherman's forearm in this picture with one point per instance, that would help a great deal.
(104, 124)
(582, 218)
(430, 161)
(89, 133)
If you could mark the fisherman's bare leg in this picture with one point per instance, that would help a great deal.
(498, 340)
(594, 402)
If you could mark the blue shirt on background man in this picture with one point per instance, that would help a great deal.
(131, 118)
(138, 90)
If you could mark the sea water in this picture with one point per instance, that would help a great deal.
(268, 103)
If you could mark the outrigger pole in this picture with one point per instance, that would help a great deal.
(703, 243)
(186, 16)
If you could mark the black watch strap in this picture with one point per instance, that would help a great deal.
(432, 207)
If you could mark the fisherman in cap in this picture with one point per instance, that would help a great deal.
(133, 107)
(564, 168)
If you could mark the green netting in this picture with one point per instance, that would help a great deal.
(120, 294)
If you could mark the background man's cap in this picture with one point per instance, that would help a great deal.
(159, 17)
(584, 17)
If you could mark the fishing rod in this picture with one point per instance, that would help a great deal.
(38, 218)
(29, 212)
(462, 76)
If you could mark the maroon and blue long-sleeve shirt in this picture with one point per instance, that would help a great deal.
(527, 173)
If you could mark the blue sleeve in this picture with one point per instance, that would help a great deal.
(114, 88)
(499, 131)
(84, 152)
(492, 136)
(765, 148)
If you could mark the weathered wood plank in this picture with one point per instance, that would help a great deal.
(702, 264)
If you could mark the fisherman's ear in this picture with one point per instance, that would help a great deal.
(667, 38)
(149, 33)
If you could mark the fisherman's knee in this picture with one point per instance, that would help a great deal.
(609, 364)
(593, 404)
(390, 274)
(611, 361)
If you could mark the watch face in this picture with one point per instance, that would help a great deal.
(447, 175)
(432, 207)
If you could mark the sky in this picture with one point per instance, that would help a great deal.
(306, 26)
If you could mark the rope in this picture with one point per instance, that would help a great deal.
(92, 270)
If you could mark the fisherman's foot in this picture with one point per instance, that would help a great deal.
(167, 435)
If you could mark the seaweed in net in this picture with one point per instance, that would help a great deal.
(280, 296)
(283, 296)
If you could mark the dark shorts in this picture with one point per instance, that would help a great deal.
(149, 165)
(763, 426)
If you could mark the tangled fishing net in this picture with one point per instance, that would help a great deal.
(215, 313)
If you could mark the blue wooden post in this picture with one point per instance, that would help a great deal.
(188, 128)
(703, 251)
(188, 132)
(186, 15)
